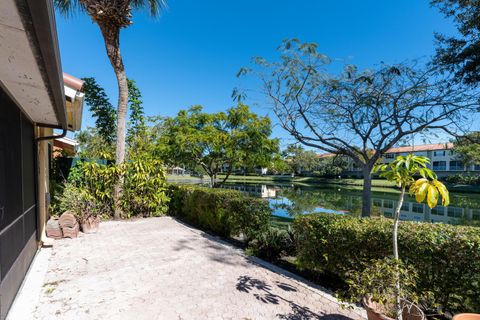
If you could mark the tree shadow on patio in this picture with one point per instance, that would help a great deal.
(264, 293)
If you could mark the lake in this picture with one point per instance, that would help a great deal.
(287, 201)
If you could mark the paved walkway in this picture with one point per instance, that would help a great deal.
(159, 268)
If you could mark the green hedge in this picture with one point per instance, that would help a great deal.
(224, 212)
(446, 257)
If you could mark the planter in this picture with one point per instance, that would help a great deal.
(376, 311)
(467, 316)
(90, 225)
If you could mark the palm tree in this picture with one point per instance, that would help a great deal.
(111, 16)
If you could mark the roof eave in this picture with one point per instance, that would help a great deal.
(39, 22)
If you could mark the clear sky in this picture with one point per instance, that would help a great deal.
(191, 54)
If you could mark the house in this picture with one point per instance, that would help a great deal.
(443, 159)
(66, 146)
(35, 99)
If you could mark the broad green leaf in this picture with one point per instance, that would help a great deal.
(421, 191)
(432, 197)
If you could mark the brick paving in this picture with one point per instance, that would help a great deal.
(159, 268)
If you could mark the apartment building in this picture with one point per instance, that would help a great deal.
(443, 159)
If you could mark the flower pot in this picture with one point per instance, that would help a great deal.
(376, 311)
(90, 225)
(467, 316)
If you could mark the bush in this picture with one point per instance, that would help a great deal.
(224, 212)
(446, 257)
(79, 202)
(378, 282)
(272, 244)
(463, 179)
(144, 187)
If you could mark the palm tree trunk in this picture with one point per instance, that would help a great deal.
(111, 36)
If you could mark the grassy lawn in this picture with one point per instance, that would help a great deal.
(381, 185)
(307, 180)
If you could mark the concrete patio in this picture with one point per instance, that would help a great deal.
(159, 268)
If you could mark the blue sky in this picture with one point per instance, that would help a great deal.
(191, 54)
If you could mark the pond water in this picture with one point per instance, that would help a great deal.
(290, 200)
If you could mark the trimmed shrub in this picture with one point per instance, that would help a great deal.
(460, 178)
(446, 257)
(224, 212)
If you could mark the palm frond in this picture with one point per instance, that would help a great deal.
(155, 7)
(68, 7)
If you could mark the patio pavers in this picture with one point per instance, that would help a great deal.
(159, 268)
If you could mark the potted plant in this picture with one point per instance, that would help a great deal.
(394, 297)
(376, 287)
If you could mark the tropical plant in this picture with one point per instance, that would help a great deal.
(403, 171)
(98, 180)
(112, 16)
(144, 187)
(272, 244)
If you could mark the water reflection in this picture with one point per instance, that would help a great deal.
(288, 201)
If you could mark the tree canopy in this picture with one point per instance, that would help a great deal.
(468, 148)
(136, 122)
(101, 108)
(299, 159)
(218, 142)
(459, 53)
(359, 114)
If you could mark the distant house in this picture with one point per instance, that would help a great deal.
(66, 146)
(443, 159)
(35, 99)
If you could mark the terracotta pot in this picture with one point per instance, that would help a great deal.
(90, 225)
(375, 311)
(467, 316)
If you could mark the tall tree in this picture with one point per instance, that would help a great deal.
(460, 53)
(359, 114)
(101, 109)
(112, 16)
(218, 141)
(136, 124)
(299, 159)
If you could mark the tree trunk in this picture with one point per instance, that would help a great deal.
(111, 36)
(396, 255)
(367, 191)
(212, 180)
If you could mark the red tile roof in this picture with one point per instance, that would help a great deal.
(423, 147)
(325, 155)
